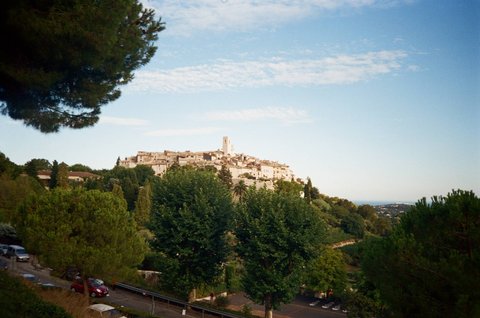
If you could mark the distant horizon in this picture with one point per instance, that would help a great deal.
(381, 202)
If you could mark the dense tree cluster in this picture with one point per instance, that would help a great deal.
(430, 265)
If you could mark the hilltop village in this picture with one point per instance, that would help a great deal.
(242, 167)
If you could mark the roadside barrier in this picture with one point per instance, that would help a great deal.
(177, 302)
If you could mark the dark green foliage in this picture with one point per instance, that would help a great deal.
(314, 193)
(62, 176)
(143, 173)
(430, 265)
(128, 180)
(8, 168)
(353, 224)
(307, 191)
(192, 212)
(382, 226)
(288, 187)
(222, 301)
(240, 189)
(13, 192)
(17, 300)
(89, 230)
(64, 60)
(52, 184)
(225, 176)
(33, 166)
(327, 271)
(278, 233)
(367, 212)
(8, 235)
(79, 167)
(143, 205)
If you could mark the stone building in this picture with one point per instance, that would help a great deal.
(242, 167)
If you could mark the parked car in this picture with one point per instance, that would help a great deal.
(328, 305)
(50, 286)
(30, 277)
(104, 311)
(3, 249)
(314, 303)
(71, 274)
(336, 307)
(96, 287)
(18, 252)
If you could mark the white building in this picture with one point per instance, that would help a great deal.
(242, 167)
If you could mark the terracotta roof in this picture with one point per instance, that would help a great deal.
(81, 174)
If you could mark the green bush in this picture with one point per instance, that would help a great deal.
(17, 300)
(221, 301)
(247, 310)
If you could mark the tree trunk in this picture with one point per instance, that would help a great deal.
(85, 285)
(268, 306)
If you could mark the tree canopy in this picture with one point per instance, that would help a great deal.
(192, 212)
(327, 271)
(64, 60)
(430, 265)
(89, 230)
(277, 233)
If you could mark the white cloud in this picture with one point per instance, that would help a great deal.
(283, 114)
(342, 69)
(121, 121)
(183, 132)
(185, 17)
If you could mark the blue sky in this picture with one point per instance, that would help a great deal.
(372, 99)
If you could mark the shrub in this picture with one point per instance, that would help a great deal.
(221, 301)
(17, 300)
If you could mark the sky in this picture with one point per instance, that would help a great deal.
(374, 100)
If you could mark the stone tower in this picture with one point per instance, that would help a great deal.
(227, 146)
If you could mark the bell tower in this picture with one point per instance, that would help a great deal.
(227, 146)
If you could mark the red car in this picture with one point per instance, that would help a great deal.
(96, 288)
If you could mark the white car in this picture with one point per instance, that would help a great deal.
(3, 249)
(104, 311)
(328, 305)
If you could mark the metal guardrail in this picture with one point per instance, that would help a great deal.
(176, 301)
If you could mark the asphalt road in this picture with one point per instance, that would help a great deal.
(298, 309)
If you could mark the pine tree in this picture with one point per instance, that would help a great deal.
(52, 184)
(65, 60)
(62, 177)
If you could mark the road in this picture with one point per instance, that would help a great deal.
(298, 309)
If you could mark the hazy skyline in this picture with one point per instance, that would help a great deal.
(371, 99)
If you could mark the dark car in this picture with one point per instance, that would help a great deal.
(96, 288)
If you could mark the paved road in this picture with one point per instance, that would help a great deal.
(298, 309)
(118, 297)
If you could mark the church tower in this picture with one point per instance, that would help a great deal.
(227, 146)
